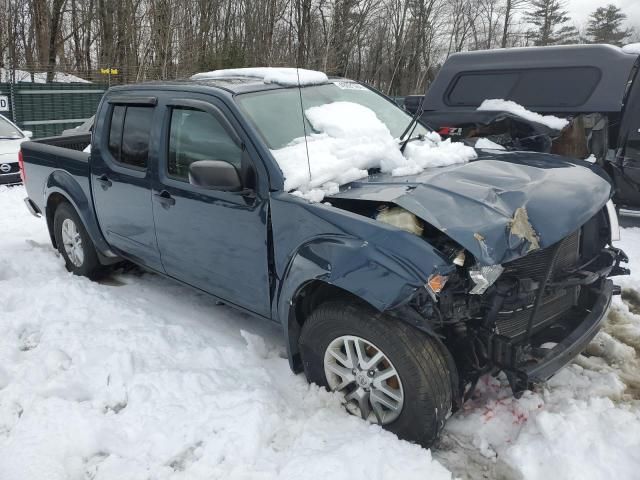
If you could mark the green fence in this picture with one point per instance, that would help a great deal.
(48, 108)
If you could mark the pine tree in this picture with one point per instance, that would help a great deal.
(550, 18)
(605, 26)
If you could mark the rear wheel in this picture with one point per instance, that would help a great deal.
(389, 373)
(74, 243)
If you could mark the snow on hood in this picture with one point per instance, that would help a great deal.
(280, 76)
(497, 104)
(350, 139)
(632, 48)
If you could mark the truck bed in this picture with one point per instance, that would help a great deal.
(53, 161)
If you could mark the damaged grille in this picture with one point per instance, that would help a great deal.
(554, 304)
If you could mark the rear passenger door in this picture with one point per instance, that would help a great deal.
(121, 172)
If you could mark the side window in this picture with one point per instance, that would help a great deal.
(135, 136)
(115, 131)
(567, 87)
(472, 88)
(129, 135)
(196, 135)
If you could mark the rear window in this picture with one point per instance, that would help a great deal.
(129, 134)
(552, 87)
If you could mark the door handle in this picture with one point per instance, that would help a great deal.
(104, 181)
(165, 199)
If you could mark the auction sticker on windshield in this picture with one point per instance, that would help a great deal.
(349, 85)
(4, 103)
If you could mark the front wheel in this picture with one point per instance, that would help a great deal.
(389, 373)
(74, 243)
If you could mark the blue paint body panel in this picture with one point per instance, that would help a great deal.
(256, 250)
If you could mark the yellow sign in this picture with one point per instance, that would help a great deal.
(109, 71)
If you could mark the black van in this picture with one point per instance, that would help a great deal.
(596, 87)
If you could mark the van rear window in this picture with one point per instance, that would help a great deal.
(549, 87)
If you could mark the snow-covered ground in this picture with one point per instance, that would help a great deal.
(137, 377)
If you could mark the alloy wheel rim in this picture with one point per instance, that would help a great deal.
(72, 242)
(370, 383)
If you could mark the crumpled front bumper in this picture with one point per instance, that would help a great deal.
(540, 364)
(565, 351)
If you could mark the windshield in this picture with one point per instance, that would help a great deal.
(278, 117)
(7, 130)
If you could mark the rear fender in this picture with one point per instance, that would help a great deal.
(62, 183)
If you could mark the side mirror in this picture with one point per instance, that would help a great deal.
(28, 133)
(215, 175)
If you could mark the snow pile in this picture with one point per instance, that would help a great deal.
(138, 377)
(281, 76)
(497, 104)
(39, 77)
(632, 48)
(352, 139)
(488, 144)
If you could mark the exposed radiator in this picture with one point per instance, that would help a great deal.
(534, 266)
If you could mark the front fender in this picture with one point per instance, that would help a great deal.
(353, 265)
(79, 196)
(377, 263)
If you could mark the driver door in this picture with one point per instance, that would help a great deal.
(213, 240)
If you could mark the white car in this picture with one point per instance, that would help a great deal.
(11, 137)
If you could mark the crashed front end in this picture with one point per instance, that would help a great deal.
(530, 239)
(540, 312)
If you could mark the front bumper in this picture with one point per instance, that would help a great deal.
(528, 361)
(565, 351)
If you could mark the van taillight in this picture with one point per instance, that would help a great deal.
(21, 166)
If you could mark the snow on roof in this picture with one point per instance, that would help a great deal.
(632, 48)
(497, 104)
(351, 140)
(23, 76)
(280, 76)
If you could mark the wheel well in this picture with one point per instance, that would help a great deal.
(54, 200)
(309, 297)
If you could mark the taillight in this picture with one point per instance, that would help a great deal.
(21, 166)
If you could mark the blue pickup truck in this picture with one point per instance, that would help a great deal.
(397, 291)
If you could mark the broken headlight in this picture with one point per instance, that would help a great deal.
(484, 277)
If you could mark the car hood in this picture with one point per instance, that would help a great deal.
(499, 207)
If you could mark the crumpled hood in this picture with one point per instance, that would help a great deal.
(499, 207)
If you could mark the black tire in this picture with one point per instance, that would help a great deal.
(90, 265)
(419, 360)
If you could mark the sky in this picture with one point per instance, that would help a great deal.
(581, 9)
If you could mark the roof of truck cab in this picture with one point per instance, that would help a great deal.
(233, 85)
(613, 64)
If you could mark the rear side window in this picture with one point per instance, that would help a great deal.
(550, 87)
(129, 135)
(472, 88)
(115, 131)
(196, 135)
